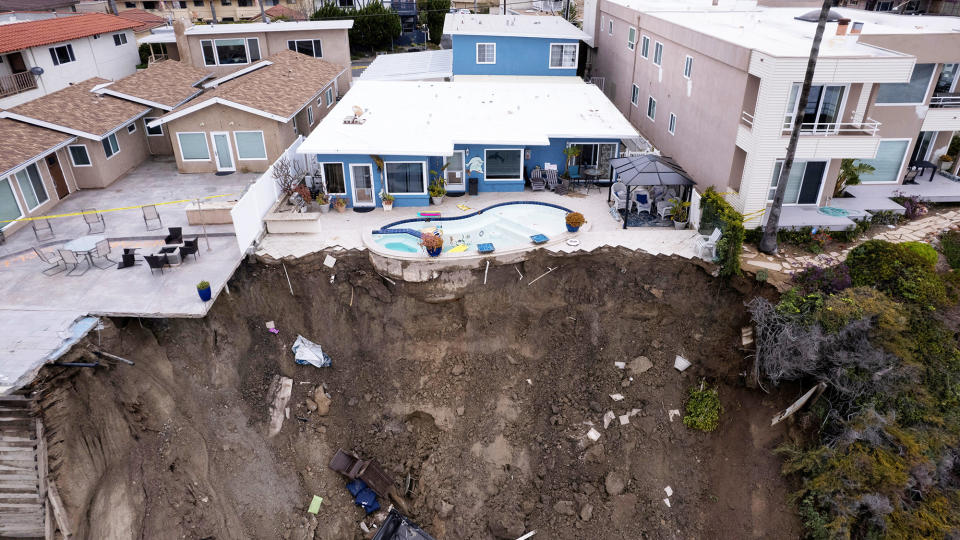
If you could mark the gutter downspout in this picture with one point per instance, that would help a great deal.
(633, 72)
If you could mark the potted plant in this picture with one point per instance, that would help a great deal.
(946, 161)
(437, 188)
(575, 220)
(203, 289)
(339, 203)
(387, 200)
(681, 213)
(324, 201)
(433, 243)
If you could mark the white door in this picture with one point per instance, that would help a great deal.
(361, 176)
(454, 173)
(222, 151)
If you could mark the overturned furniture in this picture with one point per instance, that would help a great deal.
(372, 474)
(399, 527)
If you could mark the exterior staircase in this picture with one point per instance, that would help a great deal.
(22, 475)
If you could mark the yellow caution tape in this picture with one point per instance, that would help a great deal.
(72, 214)
(757, 213)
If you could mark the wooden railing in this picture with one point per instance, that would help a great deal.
(17, 83)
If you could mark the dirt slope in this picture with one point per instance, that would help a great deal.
(482, 393)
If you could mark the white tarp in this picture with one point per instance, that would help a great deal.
(307, 352)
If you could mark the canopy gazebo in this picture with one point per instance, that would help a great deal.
(649, 170)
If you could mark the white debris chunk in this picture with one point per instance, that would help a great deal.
(620, 365)
(529, 382)
(593, 435)
(669, 491)
(634, 412)
(681, 363)
(624, 419)
(616, 397)
(607, 418)
(667, 502)
(672, 413)
(329, 261)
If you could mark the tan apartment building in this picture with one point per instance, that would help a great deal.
(203, 10)
(715, 87)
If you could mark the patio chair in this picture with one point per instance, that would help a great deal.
(552, 180)
(70, 259)
(3, 238)
(708, 244)
(94, 221)
(536, 180)
(150, 214)
(42, 226)
(664, 209)
(156, 262)
(52, 259)
(189, 247)
(573, 171)
(127, 259)
(619, 190)
(175, 237)
(911, 176)
(103, 252)
(641, 201)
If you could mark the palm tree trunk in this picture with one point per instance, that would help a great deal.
(213, 11)
(768, 244)
(263, 13)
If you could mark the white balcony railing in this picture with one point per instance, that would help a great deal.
(550, 6)
(868, 127)
(17, 83)
(746, 119)
(945, 100)
(597, 81)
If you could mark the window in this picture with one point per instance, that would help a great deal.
(333, 178)
(405, 177)
(110, 145)
(224, 2)
(887, 164)
(651, 108)
(486, 53)
(31, 186)
(306, 46)
(635, 96)
(79, 155)
(149, 5)
(250, 145)
(230, 51)
(803, 186)
(62, 54)
(657, 53)
(9, 207)
(913, 92)
(504, 164)
(180, 4)
(672, 126)
(688, 66)
(152, 131)
(197, 3)
(193, 146)
(645, 47)
(632, 38)
(330, 99)
(130, 5)
(132, 128)
(244, 3)
(309, 115)
(610, 27)
(821, 113)
(563, 56)
(947, 79)
(119, 39)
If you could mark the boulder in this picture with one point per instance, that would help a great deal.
(615, 483)
(566, 508)
(322, 401)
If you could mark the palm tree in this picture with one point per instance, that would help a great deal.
(850, 171)
(768, 244)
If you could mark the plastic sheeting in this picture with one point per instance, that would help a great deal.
(306, 352)
(399, 527)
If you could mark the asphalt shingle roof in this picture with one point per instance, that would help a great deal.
(168, 83)
(77, 108)
(23, 142)
(146, 19)
(23, 35)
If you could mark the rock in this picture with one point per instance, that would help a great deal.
(506, 526)
(322, 401)
(353, 402)
(565, 507)
(640, 364)
(457, 369)
(586, 512)
(311, 405)
(588, 489)
(614, 483)
(444, 509)
(460, 411)
(658, 293)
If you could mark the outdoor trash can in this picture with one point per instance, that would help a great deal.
(474, 186)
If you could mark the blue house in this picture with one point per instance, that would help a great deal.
(397, 136)
(518, 45)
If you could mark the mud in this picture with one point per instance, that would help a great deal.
(481, 394)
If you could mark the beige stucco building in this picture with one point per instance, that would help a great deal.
(715, 87)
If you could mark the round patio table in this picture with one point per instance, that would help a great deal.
(84, 245)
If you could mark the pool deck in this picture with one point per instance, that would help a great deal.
(347, 230)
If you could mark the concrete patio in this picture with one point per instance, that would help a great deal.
(940, 189)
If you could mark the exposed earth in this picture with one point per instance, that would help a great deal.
(483, 394)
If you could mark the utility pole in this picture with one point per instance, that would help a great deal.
(263, 13)
(768, 244)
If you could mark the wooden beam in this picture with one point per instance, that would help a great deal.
(48, 530)
(59, 511)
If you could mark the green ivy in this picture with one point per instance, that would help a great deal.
(715, 211)
(703, 409)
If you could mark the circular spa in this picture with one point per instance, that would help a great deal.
(502, 227)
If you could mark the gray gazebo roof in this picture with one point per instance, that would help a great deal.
(650, 170)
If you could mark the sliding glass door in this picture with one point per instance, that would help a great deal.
(803, 186)
(821, 113)
(597, 156)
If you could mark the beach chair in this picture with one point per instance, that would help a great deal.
(537, 183)
(708, 244)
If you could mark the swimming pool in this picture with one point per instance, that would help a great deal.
(506, 225)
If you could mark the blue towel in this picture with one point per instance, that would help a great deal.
(485, 248)
(364, 497)
(539, 238)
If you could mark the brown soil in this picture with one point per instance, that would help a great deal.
(482, 393)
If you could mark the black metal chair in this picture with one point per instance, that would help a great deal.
(94, 221)
(189, 247)
(175, 237)
(150, 214)
(911, 176)
(42, 226)
(156, 262)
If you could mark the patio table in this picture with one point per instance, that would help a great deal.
(84, 245)
(923, 165)
(592, 174)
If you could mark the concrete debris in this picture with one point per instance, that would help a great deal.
(279, 395)
(620, 365)
(616, 397)
(672, 413)
(329, 261)
(614, 483)
(624, 419)
(669, 491)
(640, 365)
(593, 435)
(607, 418)
(322, 401)
(681, 363)
(746, 336)
(667, 502)
(634, 412)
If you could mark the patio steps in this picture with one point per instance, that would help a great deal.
(22, 508)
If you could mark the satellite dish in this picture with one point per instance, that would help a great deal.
(36, 70)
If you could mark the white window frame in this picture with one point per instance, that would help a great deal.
(69, 48)
(216, 55)
(312, 46)
(610, 27)
(146, 128)
(632, 45)
(903, 164)
(343, 171)
(309, 115)
(16, 200)
(13, 176)
(236, 145)
(328, 95)
(85, 151)
(651, 101)
(119, 39)
(477, 57)
(522, 164)
(107, 138)
(645, 47)
(926, 94)
(576, 55)
(131, 128)
(635, 96)
(386, 179)
(180, 145)
(672, 124)
(657, 53)
(687, 67)
(804, 161)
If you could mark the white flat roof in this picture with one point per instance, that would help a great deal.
(429, 118)
(164, 36)
(276, 26)
(413, 66)
(511, 25)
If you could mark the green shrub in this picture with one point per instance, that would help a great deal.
(950, 246)
(901, 270)
(800, 306)
(923, 251)
(717, 212)
(703, 409)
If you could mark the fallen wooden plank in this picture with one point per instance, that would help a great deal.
(59, 511)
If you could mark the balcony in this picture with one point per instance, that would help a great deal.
(868, 127)
(549, 6)
(945, 100)
(17, 83)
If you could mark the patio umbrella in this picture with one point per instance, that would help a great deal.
(648, 170)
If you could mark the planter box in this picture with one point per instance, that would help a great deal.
(291, 222)
(210, 213)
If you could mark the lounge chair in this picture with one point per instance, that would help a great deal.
(150, 214)
(156, 262)
(42, 226)
(539, 239)
(485, 248)
(175, 238)
(664, 209)
(708, 244)
(94, 221)
(536, 180)
(552, 180)
(102, 251)
(70, 259)
(52, 259)
(641, 201)
(189, 247)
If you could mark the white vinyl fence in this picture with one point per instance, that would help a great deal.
(695, 209)
(257, 200)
